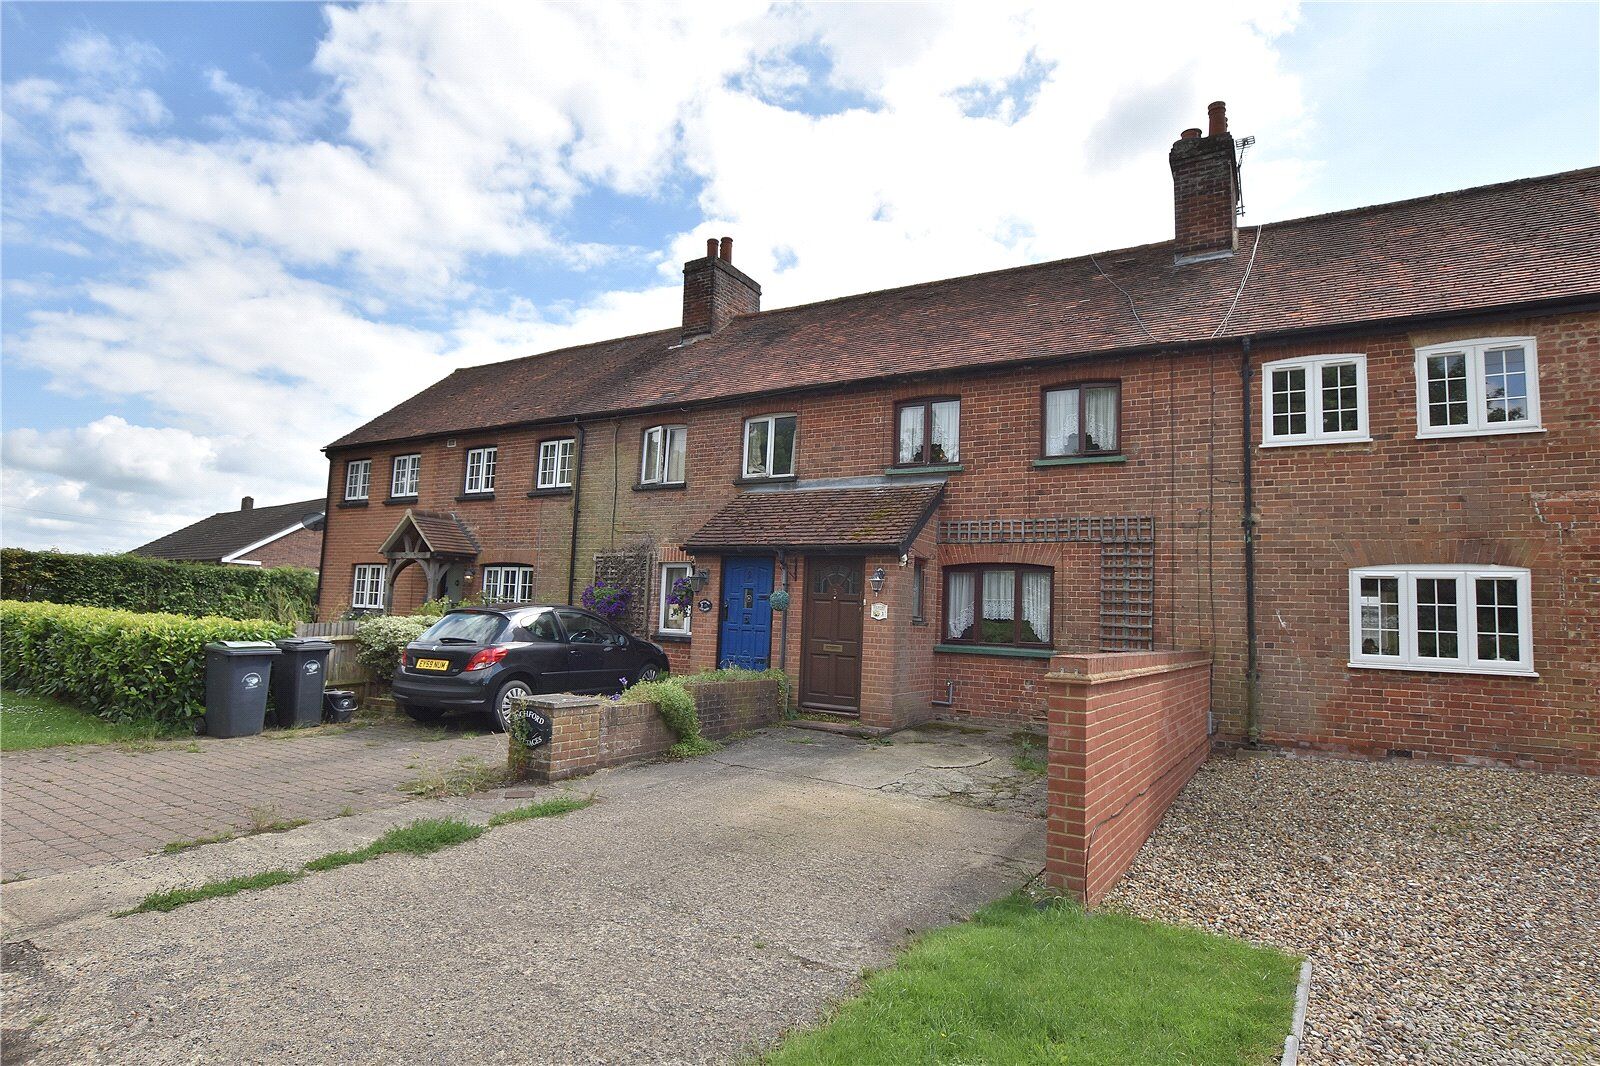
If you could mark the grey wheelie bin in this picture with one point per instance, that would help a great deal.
(297, 680)
(237, 675)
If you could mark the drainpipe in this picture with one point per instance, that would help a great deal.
(1252, 723)
(577, 492)
(783, 627)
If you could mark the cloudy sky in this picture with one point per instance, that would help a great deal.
(233, 232)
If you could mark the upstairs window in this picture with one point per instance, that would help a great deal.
(661, 461)
(1482, 386)
(507, 584)
(367, 593)
(357, 479)
(928, 433)
(406, 479)
(555, 464)
(1082, 420)
(769, 446)
(1446, 618)
(1006, 605)
(1317, 400)
(480, 470)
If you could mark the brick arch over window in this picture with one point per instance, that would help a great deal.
(1466, 551)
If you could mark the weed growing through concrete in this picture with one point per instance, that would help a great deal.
(1030, 758)
(232, 886)
(470, 774)
(184, 845)
(266, 820)
(422, 837)
(549, 808)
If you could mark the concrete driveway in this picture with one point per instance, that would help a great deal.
(691, 915)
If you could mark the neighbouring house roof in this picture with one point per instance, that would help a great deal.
(1516, 243)
(821, 516)
(228, 534)
(442, 532)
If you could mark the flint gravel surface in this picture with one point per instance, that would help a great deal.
(1451, 914)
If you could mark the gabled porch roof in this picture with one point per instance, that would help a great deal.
(435, 532)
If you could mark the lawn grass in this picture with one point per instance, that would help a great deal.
(28, 722)
(1020, 984)
(172, 899)
(549, 808)
(421, 837)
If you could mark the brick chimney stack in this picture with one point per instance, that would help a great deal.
(714, 291)
(1205, 188)
(247, 504)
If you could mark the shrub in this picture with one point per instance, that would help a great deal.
(122, 666)
(380, 638)
(134, 583)
(676, 704)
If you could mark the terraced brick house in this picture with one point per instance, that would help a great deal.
(1354, 457)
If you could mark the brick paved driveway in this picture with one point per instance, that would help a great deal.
(67, 808)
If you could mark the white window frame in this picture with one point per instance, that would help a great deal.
(480, 470)
(661, 607)
(555, 463)
(357, 479)
(1478, 424)
(663, 436)
(1467, 661)
(366, 592)
(515, 577)
(411, 485)
(772, 440)
(1314, 433)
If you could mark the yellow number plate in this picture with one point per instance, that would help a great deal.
(433, 664)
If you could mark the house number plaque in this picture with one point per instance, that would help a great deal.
(880, 611)
(705, 606)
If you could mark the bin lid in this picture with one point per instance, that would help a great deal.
(243, 647)
(305, 644)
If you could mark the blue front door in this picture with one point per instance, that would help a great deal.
(746, 612)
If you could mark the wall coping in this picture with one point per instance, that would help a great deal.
(559, 704)
(1101, 667)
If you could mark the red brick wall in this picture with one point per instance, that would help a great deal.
(303, 547)
(1127, 731)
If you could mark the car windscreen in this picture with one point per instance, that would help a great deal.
(465, 627)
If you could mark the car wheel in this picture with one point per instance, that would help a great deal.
(511, 690)
(425, 714)
(649, 672)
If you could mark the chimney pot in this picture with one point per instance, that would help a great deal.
(711, 247)
(715, 292)
(1191, 133)
(727, 249)
(1218, 113)
(247, 503)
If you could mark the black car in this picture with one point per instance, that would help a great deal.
(481, 658)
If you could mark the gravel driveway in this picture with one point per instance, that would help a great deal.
(1452, 915)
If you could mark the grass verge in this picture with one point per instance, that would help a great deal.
(1023, 984)
(28, 722)
(549, 808)
(172, 899)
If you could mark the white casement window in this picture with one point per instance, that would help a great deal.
(406, 479)
(555, 464)
(368, 590)
(662, 455)
(673, 617)
(480, 470)
(1317, 400)
(769, 446)
(1475, 620)
(357, 479)
(1480, 386)
(507, 584)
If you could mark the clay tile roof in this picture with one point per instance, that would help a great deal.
(1520, 242)
(867, 518)
(226, 532)
(443, 532)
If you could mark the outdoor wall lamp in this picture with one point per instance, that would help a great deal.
(877, 580)
(700, 579)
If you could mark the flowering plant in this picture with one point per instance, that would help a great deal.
(608, 601)
(682, 594)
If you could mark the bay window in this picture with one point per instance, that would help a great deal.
(1480, 386)
(928, 433)
(769, 446)
(662, 455)
(1446, 618)
(1007, 605)
(1082, 420)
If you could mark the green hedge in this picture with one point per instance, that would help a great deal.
(134, 583)
(122, 666)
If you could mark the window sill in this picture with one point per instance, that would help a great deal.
(776, 478)
(351, 503)
(1454, 434)
(1312, 442)
(913, 471)
(1078, 460)
(998, 651)
(1418, 668)
(662, 486)
(559, 491)
(400, 501)
(466, 496)
(665, 637)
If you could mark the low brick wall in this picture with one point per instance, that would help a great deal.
(589, 733)
(1127, 732)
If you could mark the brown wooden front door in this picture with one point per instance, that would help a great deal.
(831, 674)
